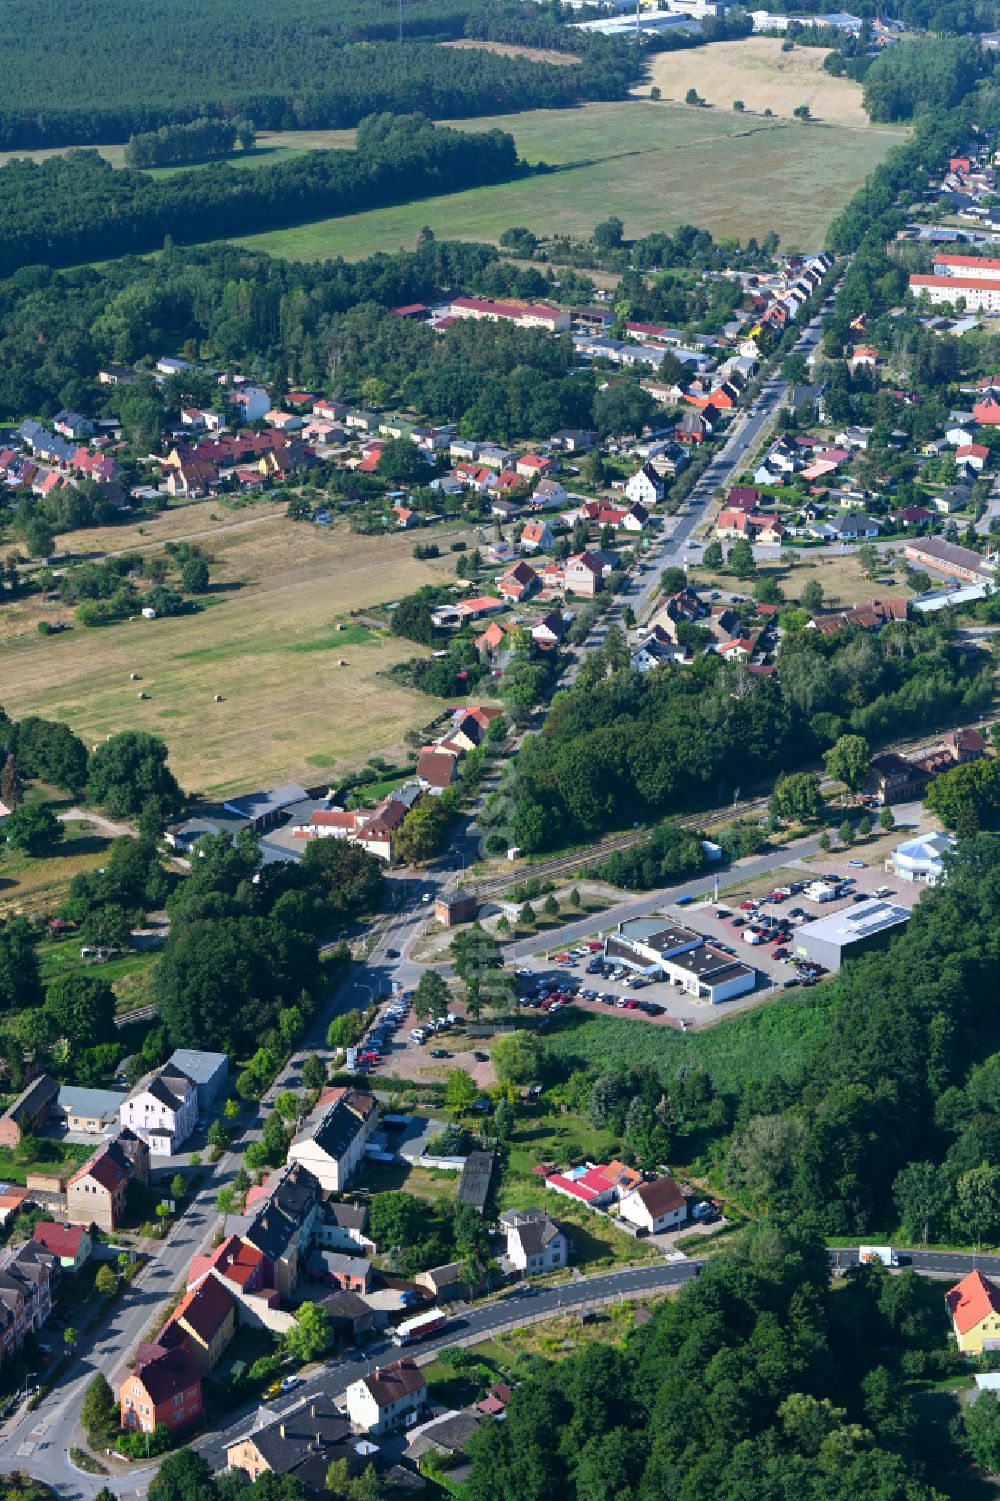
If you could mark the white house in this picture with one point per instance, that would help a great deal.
(162, 1110)
(654, 1207)
(645, 486)
(921, 859)
(534, 1242)
(389, 1399)
(331, 1144)
(251, 403)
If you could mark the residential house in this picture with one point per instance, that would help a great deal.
(70, 1244)
(549, 629)
(207, 1317)
(519, 584)
(391, 1398)
(162, 1109)
(548, 495)
(163, 1387)
(331, 1145)
(537, 535)
(26, 1115)
(279, 1221)
(436, 770)
(25, 1293)
(654, 1207)
(645, 486)
(342, 1226)
(251, 403)
(307, 1438)
(97, 1191)
(657, 649)
(855, 527)
(974, 1307)
(574, 439)
(91, 1111)
(534, 466)
(236, 1261)
(535, 1242)
(72, 424)
(584, 574)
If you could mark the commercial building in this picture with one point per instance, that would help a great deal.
(949, 557)
(209, 1073)
(670, 952)
(524, 314)
(921, 859)
(849, 932)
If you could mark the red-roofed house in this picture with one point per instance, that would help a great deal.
(533, 466)
(207, 1317)
(236, 1260)
(973, 454)
(974, 1306)
(536, 535)
(492, 638)
(436, 770)
(987, 413)
(71, 1243)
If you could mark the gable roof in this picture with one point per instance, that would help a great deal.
(165, 1370)
(205, 1308)
(61, 1240)
(388, 1383)
(290, 1439)
(970, 1300)
(660, 1197)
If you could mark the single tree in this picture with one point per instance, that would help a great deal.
(887, 820)
(848, 761)
(105, 1281)
(34, 828)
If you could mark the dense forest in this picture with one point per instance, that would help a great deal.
(753, 1384)
(76, 208)
(624, 745)
(306, 66)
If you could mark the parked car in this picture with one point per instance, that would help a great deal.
(480, 1056)
(440, 1053)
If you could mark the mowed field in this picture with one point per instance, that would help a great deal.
(654, 164)
(270, 647)
(758, 72)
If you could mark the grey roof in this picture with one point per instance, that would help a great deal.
(477, 1175)
(33, 1099)
(198, 1066)
(92, 1102)
(346, 1305)
(274, 799)
(335, 1130)
(452, 1432)
(536, 1235)
(347, 1216)
(349, 1266)
(852, 924)
(286, 1442)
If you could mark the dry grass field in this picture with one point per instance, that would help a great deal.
(758, 72)
(267, 641)
(507, 49)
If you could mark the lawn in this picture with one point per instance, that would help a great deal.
(839, 574)
(270, 646)
(774, 1039)
(654, 164)
(59, 1157)
(757, 71)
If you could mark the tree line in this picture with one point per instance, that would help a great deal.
(76, 208)
(188, 142)
(304, 68)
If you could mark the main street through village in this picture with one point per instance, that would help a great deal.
(38, 1442)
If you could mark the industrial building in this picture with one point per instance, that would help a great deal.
(849, 932)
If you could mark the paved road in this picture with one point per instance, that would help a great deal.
(469, 1324)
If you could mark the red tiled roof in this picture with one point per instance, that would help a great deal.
(61, 1240)
(970, 1300)
(205, 1309)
